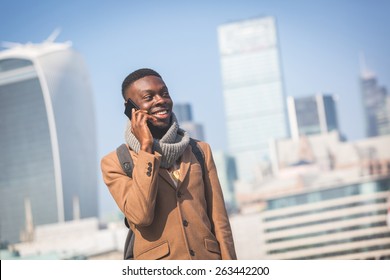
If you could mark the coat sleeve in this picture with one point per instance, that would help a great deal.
(216, 207)
(136, 196)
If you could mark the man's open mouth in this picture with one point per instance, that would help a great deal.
(164, 113)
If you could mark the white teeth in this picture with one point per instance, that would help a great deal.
(161, 113)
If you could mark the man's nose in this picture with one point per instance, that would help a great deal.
(159, 99)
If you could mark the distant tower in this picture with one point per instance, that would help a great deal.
(255, 104)
(313, 114)
(227, 175)
(76, 208)
(183, 114)
(47, 141)
(383, 118)
(27, 234)
(375, 102)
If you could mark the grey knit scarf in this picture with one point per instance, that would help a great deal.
(171, 146)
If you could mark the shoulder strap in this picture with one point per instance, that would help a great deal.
(125, 159)
(198, 154)
(127, 164)
(129, 245)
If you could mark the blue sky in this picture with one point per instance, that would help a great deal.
(320, 43)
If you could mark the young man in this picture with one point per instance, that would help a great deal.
(174, 210)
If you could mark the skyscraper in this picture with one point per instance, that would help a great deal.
(374, 99)
(183, 114)
(47, 140)
(313, 114)
(227, 175)
(255, 105)
(383, 118)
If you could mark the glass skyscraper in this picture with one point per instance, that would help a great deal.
(374, 99)
(255, 105)
(183, 114)
(227, 174)
(47, 138)
(313, 114)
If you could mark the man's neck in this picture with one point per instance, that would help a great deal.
(157, 132)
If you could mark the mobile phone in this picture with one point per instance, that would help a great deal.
(129, 106)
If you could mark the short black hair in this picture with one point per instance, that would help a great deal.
(136, 75)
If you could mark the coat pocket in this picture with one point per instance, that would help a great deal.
(155, 253)
(212, 246)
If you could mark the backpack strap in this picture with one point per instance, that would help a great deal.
(197, 151)
(127, 164)
(128, 253)
(125, 159)
(199, 154)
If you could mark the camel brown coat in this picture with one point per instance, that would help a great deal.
(184, 222)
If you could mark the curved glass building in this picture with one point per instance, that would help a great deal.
(48, 153)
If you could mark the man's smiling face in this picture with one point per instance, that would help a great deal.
(151, 94)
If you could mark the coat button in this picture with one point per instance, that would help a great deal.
(148, 173)
(185, 223)
(149, 164)
(150, 169)
(192, 253)
(179, 194)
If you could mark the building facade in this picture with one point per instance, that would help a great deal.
(327, 199)
(383, 117)
(338, 222)
(313, 114)
(227, 175)
(252, 81)
(375, 104)
(183, 114)
(47, 140)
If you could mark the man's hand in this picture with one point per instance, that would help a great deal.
(140, 129)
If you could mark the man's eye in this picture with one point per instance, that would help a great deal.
(148, 97)
(165, 94)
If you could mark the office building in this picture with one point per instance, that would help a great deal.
(375, 106)
(383, 117)
(252, 80)
(227, 175)
(183, 112)
(47, 140)
(328, 200)
(336, 222)
(313, 114)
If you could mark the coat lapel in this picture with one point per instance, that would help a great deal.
(165, 175)
(185, 165)
(184, 168)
